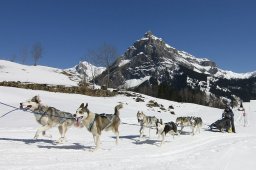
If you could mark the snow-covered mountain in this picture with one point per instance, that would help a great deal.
(150, 62)
(85, 70)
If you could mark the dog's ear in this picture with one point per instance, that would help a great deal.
(82, 105)
(38, 100)
(86, 105)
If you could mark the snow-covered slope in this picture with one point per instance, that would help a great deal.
(10, 71)
(207, 150)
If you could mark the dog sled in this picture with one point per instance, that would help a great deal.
(223, 125)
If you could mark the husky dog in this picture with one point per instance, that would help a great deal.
(96, 123)
(48, 117)
(165, 128)
(193, 122)
(146, 121)
(197, 123)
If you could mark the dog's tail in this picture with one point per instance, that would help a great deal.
(117, 108)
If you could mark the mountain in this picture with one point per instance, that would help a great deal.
(85, 71)
(153, 67)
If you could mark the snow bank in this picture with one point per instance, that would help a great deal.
(10, 71)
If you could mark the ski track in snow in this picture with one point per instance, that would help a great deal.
(207, 150)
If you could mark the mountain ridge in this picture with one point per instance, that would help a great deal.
(150, 63)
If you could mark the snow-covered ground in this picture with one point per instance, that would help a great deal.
(207, 150)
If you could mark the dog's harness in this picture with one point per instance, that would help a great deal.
(42, 114)
(102, 115)
(15, 108)
(91, 124)
(111, 120)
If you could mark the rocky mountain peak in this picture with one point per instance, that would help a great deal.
(151, 65)
(148, 34)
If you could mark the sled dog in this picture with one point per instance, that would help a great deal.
(194, 122)
(146, 121)
(48, 117)
(165, 128)
(96, 123)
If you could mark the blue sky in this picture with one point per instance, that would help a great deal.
(221, 30)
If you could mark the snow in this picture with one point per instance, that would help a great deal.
(151, 36)
(123, 62)
(10, 71)
(90, 68)
(253, 106)
(135, 82)
(168, 46)
(85, 68)
(207, 150)
(186, 57)
(232, 75)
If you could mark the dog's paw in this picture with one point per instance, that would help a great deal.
(93, 149)
(60, 140)
(36, 136)
(47, 135)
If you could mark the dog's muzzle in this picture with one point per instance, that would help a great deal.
(26, 108)
(78, 121)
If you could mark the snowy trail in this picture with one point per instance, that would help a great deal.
(207, 150)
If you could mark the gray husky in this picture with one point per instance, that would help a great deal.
(193, 122)
(96, 123)
(146, 121)
(48, 117)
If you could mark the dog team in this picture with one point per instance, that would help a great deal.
(50, 117)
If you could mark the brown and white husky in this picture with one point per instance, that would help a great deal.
(96, 123)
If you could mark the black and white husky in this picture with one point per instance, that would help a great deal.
(48, 117)
(146, 121)
(164, 128)
(96, 123)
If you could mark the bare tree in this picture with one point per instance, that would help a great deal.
(105, 55)
(92, 69)
(24, 55)
(93, 60)
(84, 80)
(37, 52)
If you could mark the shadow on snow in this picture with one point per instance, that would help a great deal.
(74, 146)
